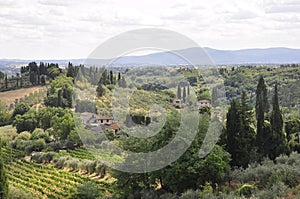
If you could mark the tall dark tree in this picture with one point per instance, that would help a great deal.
(184, 94)
(232, 131)
(70, 70)
(279, 141)
(6, 81)
(119, 76)
(42, 68)
(104, 80)
(261, 107)
(239, 138)
(100, 90)
(111, 77)
(18, 79)
(178, 92)
(43, 80)
(32, 78)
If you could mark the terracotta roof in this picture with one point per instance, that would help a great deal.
(103, 117)
(114, 126)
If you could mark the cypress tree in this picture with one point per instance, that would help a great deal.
(178, 92)
(261, 107)
(184, 94)
(232, 131)
(6, 81)
(279, 141)
(239, 133)
(111, 77)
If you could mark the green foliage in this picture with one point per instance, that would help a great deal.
(60, 93)
(204, 96)
(178, 92)
(5, 116)
(24, 136)
(26, 122)
(17, 193)
(239, 135)
(276, 191)
(20, 109)
(60, 120)
(3, 178)
(100, 90)
(85, 106)
(190, 194)
(45, 181)
(247, 190)
(284, 169)
(87, 190)
(278, 140)
(40, 134)
(292, 126)
(261, 107)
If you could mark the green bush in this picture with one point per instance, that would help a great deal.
(247, 190)
(25, 135)
(87, 190)
(35, 145)
(276, 191)
(39, 133)
(16, 193)
(284, 169)
(190, 194)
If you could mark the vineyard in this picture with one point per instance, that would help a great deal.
(45, 181)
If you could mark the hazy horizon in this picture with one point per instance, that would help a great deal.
(141, 54)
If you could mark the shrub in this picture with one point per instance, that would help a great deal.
(190, 194)
(40, 134)
(16, 193)
(60, 161)
(41, 157)
(25, 135)
(247, 190)
(284, 169)
(276, 191)
(35, 145)
(169, 196)
(87, 190)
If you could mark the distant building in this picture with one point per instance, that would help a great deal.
(99, 123)
(177, 103)
(203, 103)
(114, 126)
(92, 119)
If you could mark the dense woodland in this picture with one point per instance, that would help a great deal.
(257, 155)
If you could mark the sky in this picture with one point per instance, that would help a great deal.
(65, 29)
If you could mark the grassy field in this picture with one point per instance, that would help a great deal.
(9, 97)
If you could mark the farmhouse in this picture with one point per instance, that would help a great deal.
(177, 103)
(99, 123)
(203, 103)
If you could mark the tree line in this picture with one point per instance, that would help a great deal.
(250, 135)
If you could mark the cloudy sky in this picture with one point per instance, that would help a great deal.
(64, 29)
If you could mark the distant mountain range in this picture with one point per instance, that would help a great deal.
(218, 57)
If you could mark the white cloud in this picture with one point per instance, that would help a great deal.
(73, 28)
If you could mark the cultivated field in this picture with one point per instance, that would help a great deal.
(9, 97)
